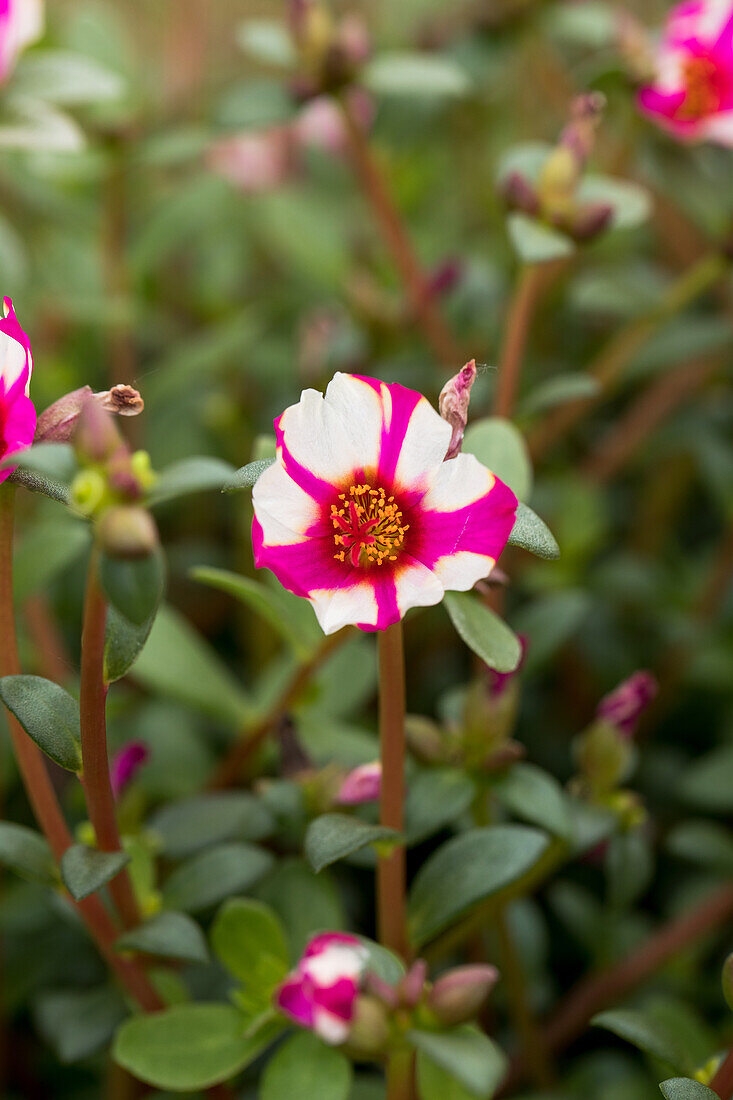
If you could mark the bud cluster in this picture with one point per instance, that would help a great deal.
(331, 51)
(554, 197)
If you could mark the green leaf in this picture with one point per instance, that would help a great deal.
(267, 42)
(188, 1047)
(435, 1084)
(535, 242)
(643, 1031)
(501, 448)
(68, 79)
(706, 782)
(629, 867)
(469, 869)
(134, 587)
(192, 824)
(247, 475)
(534, 796)
(560, 389)
(178, 663)
(306, 903)
(78, 1023)
(27, 853)
(334, 836)
(631, 203)
(466, 1055)
(531, 533)
(278, 607)
(32, 125)
(213, 875)
(415, 74)
(48, 714)
(704, 843)
(85, 869)
(248, 938)
(47, 550)
(198, 474)
(123, 643)
(52, 460)
(683, 1088)
(383, 962)
(306, 1068)
(170, 935)
(435, 798)
(484, 632)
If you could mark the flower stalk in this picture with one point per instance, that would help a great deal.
(532, 279)
(391, 874)
(96, 778)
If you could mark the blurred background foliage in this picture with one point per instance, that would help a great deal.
(130, 259)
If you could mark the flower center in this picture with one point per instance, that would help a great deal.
(368, 525)
(702, 94)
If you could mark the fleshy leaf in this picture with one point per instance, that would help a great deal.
(531, 533)
(334, 836)
(48, 714)
(465, 1054)
(484, 632)
(85, 869)
(306, 1068)
(170, 935)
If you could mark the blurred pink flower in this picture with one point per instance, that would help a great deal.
(320, 994)
(21, 22)
(17, 413)
(363, 784)
(624, 706)
(125, 765)
(259, 160)
(692, 94)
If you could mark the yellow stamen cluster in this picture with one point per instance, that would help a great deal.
(369, 526)
(702, 97)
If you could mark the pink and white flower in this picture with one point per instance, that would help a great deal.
(320, 994)
(692, 95)
(360, 513)
(363, 784)
(17, 413)
(21, 22)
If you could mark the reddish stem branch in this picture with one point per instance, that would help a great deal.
(391, 885)
(95, 778)
(234, 764)
(532, 279)
(597, 991)
(722, 1083)
(422, 302)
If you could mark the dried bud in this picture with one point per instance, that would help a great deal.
(363, 784)
(57, 424)
(126, 531)
(125, 764)
(458, 995)
(728, 981)
(453, 405)
(520, 194)
(590, 220)
(121, 401)
(96, 438)
(624, 706)
(369, 1032)
(412, 986)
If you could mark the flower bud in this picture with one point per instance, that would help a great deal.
(604, 758)
(410, 989)
(121, 400)
(426, 739)
(590, 220)
(369, 1033)
(88, 492)
(96, 438)
(321, 993)
(458, 995)
(125, 764)
(453, 405)
(363, 784)
(580, 133)
(57, 424)
(562, 171)
(126, 531)
(728, 981)
(520, 194)
(624, 706)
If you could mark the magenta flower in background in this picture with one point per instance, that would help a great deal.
(692, 95)
(624, 706)
(363, 784)
(500, 681)
(259, 160)
(21, 22)
(17, 413)
(125, 765)
(320, 994)
(360, 514)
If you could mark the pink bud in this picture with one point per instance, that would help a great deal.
(624, 706)
(453, 405)
(411, 987)
(257, 161)
(96, 438)
(458, 995)
(444, 278)
(363, 784)
(579, 134)
(57, 423)
(321, 993)
(590, 220)
(125, 765)
(500, 681)
(520, 194)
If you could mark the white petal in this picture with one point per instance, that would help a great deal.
(425, 444)
(333, 435)
(458, 483)
(334, 963)
(719, 128)
(27, 21)
(459, 571)
(12, 360)
(284, 510)
(332, 1029)
(339, 607)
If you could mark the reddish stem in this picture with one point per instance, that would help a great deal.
(722, 1083)
(422, 302)
(391, 874)
(519, 319)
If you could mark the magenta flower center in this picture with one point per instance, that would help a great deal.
(703, 88)
(368, 526)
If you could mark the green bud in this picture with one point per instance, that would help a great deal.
(127, 531)
(88, 492)
(143, 470)
(604, 758)
(370, 1030)
(458, 995)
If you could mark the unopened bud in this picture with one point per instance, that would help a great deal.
(520, 194)
(125, 764)
(313, 30)
(88, 492)
(590, 220)
(410, 989)
(127, 532)
(624, 706)
(425, 739)
(579, 135)
(121, 400)
(604, 758)
(562, 171)
(362, 784)
(453, 405)
(57, 424)
(727, 978)
(369, 1032)
(130, 475)
(96, 438)
(458, 995)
